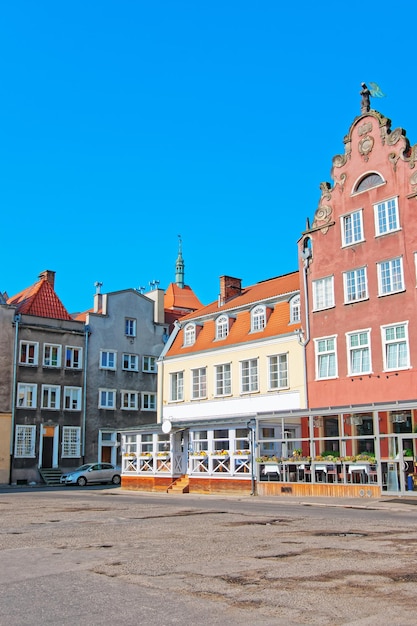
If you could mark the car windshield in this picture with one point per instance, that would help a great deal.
(82, 468)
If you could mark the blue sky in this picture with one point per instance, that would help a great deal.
(124, 124)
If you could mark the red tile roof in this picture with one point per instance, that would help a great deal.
(40, 299)
(278, 322)
(181, 298)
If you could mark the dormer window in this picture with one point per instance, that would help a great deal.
(258, 318)
(222, 327)
(189, 335)
(295, 310)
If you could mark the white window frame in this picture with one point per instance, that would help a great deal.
(359, 355)
(223, 379)
(130, 327)
(325, 355)
(355, 285)
(323, 293)
(129, 400)
(394, 273)
(107, 399)
(295, 309)
(249, 376)
(51, 361)
(27, 395)
(354, 237)
(73, 357)
(71, 442)
(48, 390)
(199, 383)
(222, 327)
(72, 397)
(278, 371)
(387, 219)
(149, 364)
(258, 318)
(108, 360)
(189, 335)
(176, 393)
(396, 341)
(148, 402)
(24, 447)
(130, 362)
(29, 359)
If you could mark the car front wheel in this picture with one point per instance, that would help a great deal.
(81, 482)
(116, 480)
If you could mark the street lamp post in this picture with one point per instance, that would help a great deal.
(252, 427)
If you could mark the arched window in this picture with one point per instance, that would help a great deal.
(369, 181)
(222, 327)
(189, 335)
(258, 318)
(295, 310)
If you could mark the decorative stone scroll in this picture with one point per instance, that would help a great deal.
(365, 146)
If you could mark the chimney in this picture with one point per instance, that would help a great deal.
(48, 275)
(229, 288)
(157, 295)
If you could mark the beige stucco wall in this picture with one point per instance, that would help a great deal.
(263, 400)
(5, 433)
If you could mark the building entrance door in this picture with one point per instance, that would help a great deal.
(47, 451)
(399, 471)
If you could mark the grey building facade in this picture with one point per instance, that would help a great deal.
(126, 334)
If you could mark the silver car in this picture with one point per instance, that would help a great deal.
(92, 473)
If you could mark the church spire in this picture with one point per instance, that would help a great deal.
(179, 266)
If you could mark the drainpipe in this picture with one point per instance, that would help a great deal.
(15, 353)
(84, 415)
(304, 341)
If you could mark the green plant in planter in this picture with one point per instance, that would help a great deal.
(408, 452)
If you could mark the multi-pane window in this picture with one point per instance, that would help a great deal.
(223, 379)
(148, 401)
(396, 347)
(222, 327)
(129, 400)
(352, 228)
(107, 398)
(51, 396)
(149, 364)
(189, 335)
(249, 375)
(199, 383)
(258, 318)
(130, 362)
(359, 352)
(220, 440)
(130, 327)
(28, 353)
(295, 310)
(326, 357)
(323, 293)
(390, 276)
(278, 371)
(26, 395)
(177, 386)
(71, 441)
(25, 441)
(356, 285)
(108, 360)
(199, 441)
(386, 216)
(73, 357)
(51, 355)
(72, 398)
